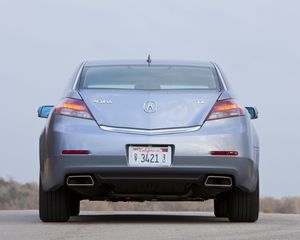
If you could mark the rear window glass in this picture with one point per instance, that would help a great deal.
(149, 78)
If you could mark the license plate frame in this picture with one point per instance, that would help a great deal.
(149, 156)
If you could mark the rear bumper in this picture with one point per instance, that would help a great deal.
(108, 163)
(190, 170)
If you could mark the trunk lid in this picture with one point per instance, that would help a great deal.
(149, 109)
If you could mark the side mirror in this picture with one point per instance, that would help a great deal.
(253, 112)
(43, 111)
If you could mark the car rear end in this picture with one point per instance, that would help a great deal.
(130, 132)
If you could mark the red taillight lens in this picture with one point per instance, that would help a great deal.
(224, 153)
(73, 108)
(225, 109)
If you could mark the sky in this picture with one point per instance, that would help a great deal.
(256, 43)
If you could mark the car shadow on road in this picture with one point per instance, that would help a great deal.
(145, 218)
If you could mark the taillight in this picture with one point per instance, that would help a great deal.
(225, 109)
(73, 108)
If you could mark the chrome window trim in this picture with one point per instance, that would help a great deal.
(78, 75)
(220, 76)
(150, 131)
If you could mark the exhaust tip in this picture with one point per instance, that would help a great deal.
(218, 181)
(80, 180)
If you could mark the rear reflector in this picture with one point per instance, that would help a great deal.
(224, 153)
(75, 152)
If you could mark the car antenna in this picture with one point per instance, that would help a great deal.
(149, 60)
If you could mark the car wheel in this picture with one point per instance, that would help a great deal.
(243, 206)
(74, 206)
(54, 205)
(220, 207)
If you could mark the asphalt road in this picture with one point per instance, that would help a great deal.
(146, 225)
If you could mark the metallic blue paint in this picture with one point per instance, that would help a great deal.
(107, 160)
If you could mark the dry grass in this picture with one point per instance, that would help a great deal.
(14, 195)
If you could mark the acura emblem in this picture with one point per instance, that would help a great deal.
(150, 107)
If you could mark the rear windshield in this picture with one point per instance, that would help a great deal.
(149, 78)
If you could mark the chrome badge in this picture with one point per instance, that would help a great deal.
(103, 101)
(150, 107)
(199, 101)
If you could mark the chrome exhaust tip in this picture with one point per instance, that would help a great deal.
(218, 181)
(80, 180)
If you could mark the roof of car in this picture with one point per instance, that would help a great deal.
(154, 62)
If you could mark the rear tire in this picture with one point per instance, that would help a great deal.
(74, 206)
(220, 207)
(54, 205)
(243, 206)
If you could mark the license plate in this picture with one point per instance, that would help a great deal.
(140, 156)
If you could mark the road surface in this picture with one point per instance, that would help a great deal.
(146, 225)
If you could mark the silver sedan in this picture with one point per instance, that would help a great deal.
(149, 130)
